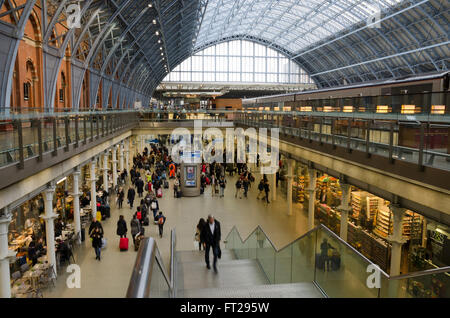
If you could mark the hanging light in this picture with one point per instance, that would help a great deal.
(157, 32)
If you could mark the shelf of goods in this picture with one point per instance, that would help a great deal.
(299, 186)
(362, 200)
(373, 248)
(383, 225)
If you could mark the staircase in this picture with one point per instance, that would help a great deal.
(236, 278)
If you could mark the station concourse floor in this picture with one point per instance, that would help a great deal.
(110, 276)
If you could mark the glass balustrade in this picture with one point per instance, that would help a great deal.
(320, 256)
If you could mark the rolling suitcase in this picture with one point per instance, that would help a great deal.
(123, 244)
(179, 194)
(166, 184)
(137, 241)
(146, 221)
(159, 193)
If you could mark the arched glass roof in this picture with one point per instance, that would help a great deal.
(291, 24)
(135, 44)
(239, 61)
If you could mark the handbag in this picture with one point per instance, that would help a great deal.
(104, 242)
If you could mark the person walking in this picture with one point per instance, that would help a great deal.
(267, 190)
(154, 206)
(97, 237)
(161, 222)
(211, 236)
(245, 184)
(140, 187)
(176, 185)
(122, 227)
(120, 197)
(130, 196)
(222, 185)
(95, 224)
(135, 227)
(198, 233)
(238, 189)
(260, 189)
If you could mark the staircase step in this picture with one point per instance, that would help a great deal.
(231, 273)
(297, 290)
(199, 256)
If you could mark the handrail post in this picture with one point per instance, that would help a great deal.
(66, 130)
(20, 142)
(368, 138)
(77, 135)
(55, 135)
(40, 141)
(391, 142)
(421, 146)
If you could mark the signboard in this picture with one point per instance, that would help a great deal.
(190, 176)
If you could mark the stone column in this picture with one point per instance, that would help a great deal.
(49, 218)
(93, 189)
(312, 197)
(114, 166)
(396, 239)
(121, 151)
(344, 208)
(5, 255)
(105, 170)
(127, 154)
(290, 178)
(76, 202)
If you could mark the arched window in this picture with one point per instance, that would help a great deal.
(27, 91)
(239, 61)
(63, 87)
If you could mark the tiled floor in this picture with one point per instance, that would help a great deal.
(110, 276)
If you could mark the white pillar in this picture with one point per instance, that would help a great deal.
(114, 166)
(105, 170)
(396, 239)
(93, 189)
(121, 151)
(344, 208)
(127, 154)
(5, 256)
(76, 202)
(49, 218)
(312, 197)
(290, 177)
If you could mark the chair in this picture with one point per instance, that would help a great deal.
(16, 276)
(24, 268)
(47, 277)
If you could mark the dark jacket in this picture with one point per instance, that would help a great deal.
(131, 194)
(95, 225)
(96, 239)
(140, 185)
(209, 238)
(122, 227)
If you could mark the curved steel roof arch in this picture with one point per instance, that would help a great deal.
(335, 41)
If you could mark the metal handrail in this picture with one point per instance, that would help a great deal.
(139, 286)
(147, 257)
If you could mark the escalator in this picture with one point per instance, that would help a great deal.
(317, 264)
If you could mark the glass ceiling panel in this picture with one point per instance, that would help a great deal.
(291, 24)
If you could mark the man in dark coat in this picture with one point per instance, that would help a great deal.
(140, 186)
(130, 196)
(211, 236)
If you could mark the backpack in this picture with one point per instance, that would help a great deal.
(161, 220)
(153, 206)
(260, 187)
(139, 216)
